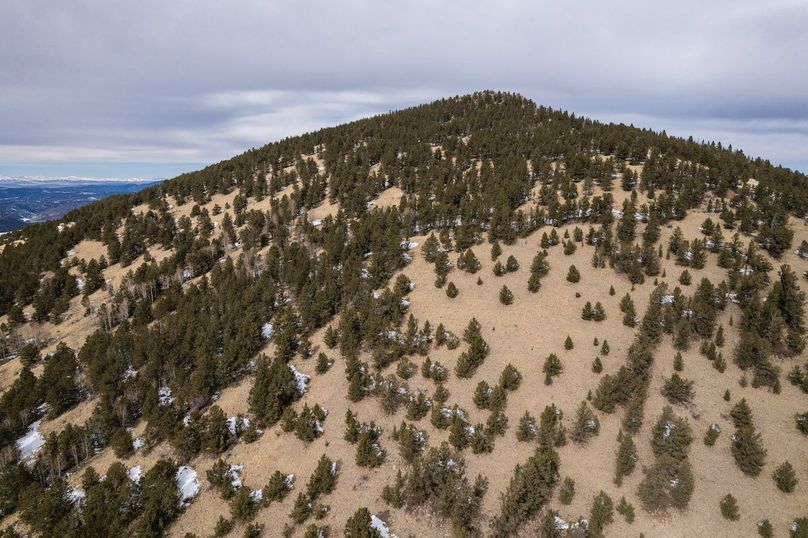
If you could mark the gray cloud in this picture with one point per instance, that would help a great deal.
(88, 82)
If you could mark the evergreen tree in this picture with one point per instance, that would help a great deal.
(785, 477)
(729, 507)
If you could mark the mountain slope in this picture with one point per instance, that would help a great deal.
(309, 288)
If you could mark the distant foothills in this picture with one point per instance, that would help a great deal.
(29, 199)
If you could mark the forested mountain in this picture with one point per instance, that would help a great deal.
(399, 312)
(23, 201)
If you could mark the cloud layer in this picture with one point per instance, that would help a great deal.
(137, 85)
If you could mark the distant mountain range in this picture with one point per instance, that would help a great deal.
(25, 200)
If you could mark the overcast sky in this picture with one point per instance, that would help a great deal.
(151, 88)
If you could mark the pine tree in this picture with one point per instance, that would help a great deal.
(678, 390)
(552, 367)
(626, 509)
(748, 451)
(626, 457)
(711, 435)
(729, 507)
(510, 378)
(526, 430)
(586, 424)
(573, 275)
(567, 491)
(601, 515)
(785, 477)
(505, 296)
(568, 345)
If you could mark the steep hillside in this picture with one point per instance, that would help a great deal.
(472, 317)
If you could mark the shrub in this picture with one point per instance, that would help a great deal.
(729, 508)
(567, 491)
(552, 367)
(626, 509)
(765, 529)
(254, 530)
(711, 435)
(678, 363)
(801, 420)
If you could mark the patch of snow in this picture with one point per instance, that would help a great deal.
(316, 222)
(267, 329)
(301, 379)
(138, 443)
(237, 425)
(30, 443)
(76, 495)
(135, 473)
(164, 396)
(381, 527)
(256, 495)
(235, 475)
(187, 483)
(289, 481)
